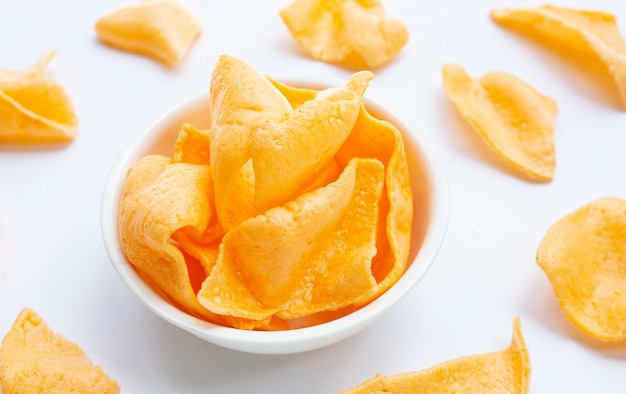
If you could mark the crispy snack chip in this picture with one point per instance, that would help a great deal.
(311, 255)
(584, 256)
(158, 199)
(293, 209)
(357, 34)
(513, 119)
(292, 152)
(162, 29)
(375, 138)
(286, 147)
(506, 371)
(34, 108)
(34, 359)
(192, 146)
(592, 33)
(232, 118)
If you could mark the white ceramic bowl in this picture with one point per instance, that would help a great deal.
(431, 206)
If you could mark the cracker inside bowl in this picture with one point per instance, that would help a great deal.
(296, 333)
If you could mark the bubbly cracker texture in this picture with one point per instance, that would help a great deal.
(34, 108)
(34, 359)
(584, 256)
(593, 33)
(162, 29)
(356, 34)
(506, 371)
(515, 120)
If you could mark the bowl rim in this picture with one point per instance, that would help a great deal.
(298, 339)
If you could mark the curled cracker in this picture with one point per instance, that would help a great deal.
(234, 116)
(287, 156)
(295, 260)
(506, 371)
(159, 198)
(374, 138)
(34, 359)
(515, 120)
(162, 29)
(192, 146)
(34, 108)
(589, 32)
(352, 33)
(584, 256)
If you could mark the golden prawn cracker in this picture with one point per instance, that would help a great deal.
(34, 108)
(506, 371)
(515, 120)
(162, 29)
(192, 146)
(289, 154)
(589, 32)
(159, 198)
(34, 359)
(311, 255)
(584, 256)
(233, 116)
(378, 139)
(285, 146)
(352, 33)
(374, 138)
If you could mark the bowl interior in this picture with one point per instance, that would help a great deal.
(430, 197)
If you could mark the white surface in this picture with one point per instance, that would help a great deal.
(53, 260)
(431, 207)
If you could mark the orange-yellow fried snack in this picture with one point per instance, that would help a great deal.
(506, 371)
(34, 359)
(162, 29)
(514, 119)
(381, 140)
(373, 138)
(327, 174)
(593, 33)
(159, 198)
(192, 146)
(287, 147)
(353, 33)
(584, 256)
(204, 252)
(295, 96)
(34, 108)
(288, 155)
(233, 116)
(311, 255)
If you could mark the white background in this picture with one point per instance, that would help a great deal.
(52, 257)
